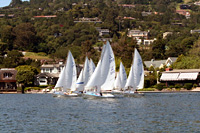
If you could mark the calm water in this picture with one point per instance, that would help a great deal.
(33, 113)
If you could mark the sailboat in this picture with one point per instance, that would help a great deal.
(84, 76)
(91, 68)
(67, 79)
(120, 80)
(135, 79)
(104, 75)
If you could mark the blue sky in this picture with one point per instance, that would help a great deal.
(6, 2)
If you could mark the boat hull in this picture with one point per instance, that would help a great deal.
(63, 94)
(97, 95)
(133, 94)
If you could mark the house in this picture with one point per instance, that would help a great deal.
(184, 12)
(195, 31)
(155, 63)
(2, 15)
(88, 20)
(138, 34)
(170, 61)
(181, 76)
(8, 80)
(49, 16)
(144, 14)
(50, 73)
(147, 42)
(184, 6)
(102, 32)
(127, 5)
(166, 34)
(197, 3)
(160, 63)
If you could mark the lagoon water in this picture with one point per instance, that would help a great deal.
(155, 112)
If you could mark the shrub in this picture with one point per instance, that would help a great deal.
(159, 86)
(195, 85)
(188, 86)
(147, 89)
(171, 86)
(178, 86)
(43, 86)
(32, 88)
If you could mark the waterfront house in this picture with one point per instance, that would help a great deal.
(8, 80)
(181, 76)
(50, 73)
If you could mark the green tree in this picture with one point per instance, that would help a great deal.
(25, 74)
(25, 37)
(13, 59)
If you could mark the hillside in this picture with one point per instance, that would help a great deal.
(56, 26)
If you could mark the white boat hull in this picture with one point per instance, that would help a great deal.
(97, 95)
(133, 94)
(63, 94)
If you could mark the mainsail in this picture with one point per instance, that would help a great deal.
(121, 78)
(104, 74)
(92, 68)
(67, 79)
(84, 76)
(136, 75)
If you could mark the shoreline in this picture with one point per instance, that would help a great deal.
(156, 91)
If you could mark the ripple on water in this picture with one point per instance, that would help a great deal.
(169, 112)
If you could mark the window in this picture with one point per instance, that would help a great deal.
(7, 75)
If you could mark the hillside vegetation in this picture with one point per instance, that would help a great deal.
(51, 27)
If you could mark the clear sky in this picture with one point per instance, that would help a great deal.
(6, 2)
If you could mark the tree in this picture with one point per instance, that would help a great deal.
(7, 36)
(25, 37)
(89, 51)
(13, 59)
(25, 74)
(158, 48)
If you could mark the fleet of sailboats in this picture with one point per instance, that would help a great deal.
(100, 81)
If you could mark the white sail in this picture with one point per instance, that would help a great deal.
(138, 71)
(94, 81)
(130, 80)
(123, 75)
(86, 72)
(108, 68)
(61, 80)
(104, 74)
(117, 84)
(121, 78)
(136, 75)
(83, 77)
(80, 82)
(67, 79)
(92, 68)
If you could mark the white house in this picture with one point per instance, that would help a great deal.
(138, 34)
